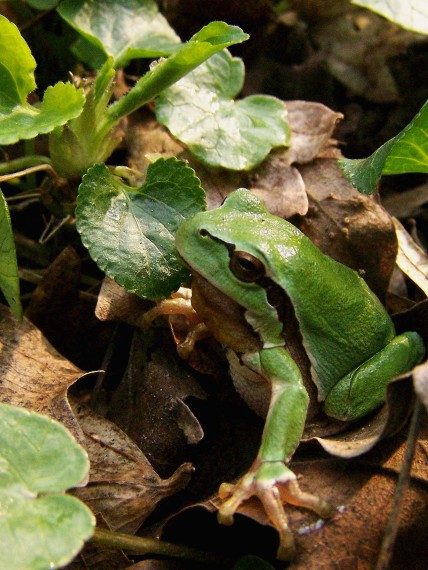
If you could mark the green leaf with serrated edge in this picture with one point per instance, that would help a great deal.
(61, 103)
(126, 30)
(130, 232)
(40, 527)
(409, 14)
(406, 152)
(199, 110)
(9, 276)
(18, 119)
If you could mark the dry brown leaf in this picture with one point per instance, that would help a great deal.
(149, 405)
(280, 186)
(312, 126)
(359, 439)
(350, 227)
(33, 374)
(123, 487)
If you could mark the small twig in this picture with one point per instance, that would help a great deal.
(47, 235)
(26, 171)
(402, 485)
(23, 196)
(141, 545)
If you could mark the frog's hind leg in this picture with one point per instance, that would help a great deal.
(269, 478)
(364, 388)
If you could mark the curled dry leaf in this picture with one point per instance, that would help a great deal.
(420, 381)
(411, 259)
(280, 184)
(116, 304)
(33, 374)
(312, 126)
(123, 487)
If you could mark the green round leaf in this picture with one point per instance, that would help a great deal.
(126, 30)
(61, 103)
(38, 455)
(199, 110)
(130, 232)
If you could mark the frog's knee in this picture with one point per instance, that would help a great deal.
(364, 388)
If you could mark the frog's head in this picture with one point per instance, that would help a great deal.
(235, 248)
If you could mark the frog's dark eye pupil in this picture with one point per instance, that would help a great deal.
(246, 267)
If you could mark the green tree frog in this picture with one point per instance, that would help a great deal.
(253, 275)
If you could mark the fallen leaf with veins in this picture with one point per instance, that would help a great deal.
(33, 374)
(123, 487)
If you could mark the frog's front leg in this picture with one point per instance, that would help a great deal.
(180, 303)
(269, 478)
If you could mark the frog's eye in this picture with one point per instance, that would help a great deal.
(246, 267)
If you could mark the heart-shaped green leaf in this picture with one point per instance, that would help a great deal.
(130, 232)
(200, 111)
(40, 527)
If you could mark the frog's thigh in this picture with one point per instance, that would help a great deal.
(364, 388)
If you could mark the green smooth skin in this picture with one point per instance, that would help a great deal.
(347, 334)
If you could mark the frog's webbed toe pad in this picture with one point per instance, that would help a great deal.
(274, 484)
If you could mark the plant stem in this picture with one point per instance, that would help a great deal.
(142, 545)
(23, 162)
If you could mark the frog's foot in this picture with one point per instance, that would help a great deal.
(273, 483)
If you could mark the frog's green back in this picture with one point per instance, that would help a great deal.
(341, 321)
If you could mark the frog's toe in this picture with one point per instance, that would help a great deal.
(274, 484)
(270, 498)
(233, 496)
(291, 493)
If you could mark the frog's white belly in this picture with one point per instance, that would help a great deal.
(252, 387)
